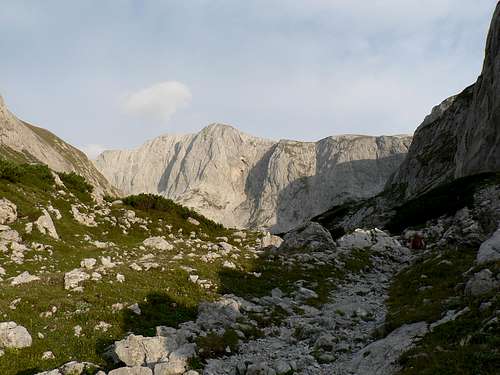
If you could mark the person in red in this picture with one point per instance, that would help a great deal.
(417, 242)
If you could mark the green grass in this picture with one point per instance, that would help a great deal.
(151, 204)
(164, 294)
(213, 345)
(410, 298)
(465, 346)
(425, 292)
(77, 185)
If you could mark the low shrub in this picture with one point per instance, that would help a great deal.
(36, 175)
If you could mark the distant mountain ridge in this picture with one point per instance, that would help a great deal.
(24, 142)
(245, 181)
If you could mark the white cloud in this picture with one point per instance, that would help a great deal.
(93, 150)
(159, 101)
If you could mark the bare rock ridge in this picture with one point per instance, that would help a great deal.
(27, 143)
(245, 181)
(461, 136)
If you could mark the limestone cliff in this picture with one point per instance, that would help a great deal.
(245, 181)
(461, 137)
(27, 143)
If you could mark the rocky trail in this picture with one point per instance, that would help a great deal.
(325, 340)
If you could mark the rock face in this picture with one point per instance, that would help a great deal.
(24, 142)
(244, 181)
(461, 135)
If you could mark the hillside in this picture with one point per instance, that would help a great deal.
(20, 141)
(244, 181)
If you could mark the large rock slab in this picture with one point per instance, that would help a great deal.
(380, 357)
(309, 236)
(13, 336)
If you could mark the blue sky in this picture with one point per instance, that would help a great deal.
(112, 74)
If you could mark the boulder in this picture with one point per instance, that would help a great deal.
(136, 370)
(219, 314)
(73, 278)
(310, 236)
(270, 240)
(380, 357)
(489, 251)
(140, 350)
(23, 278)
(158, 243)
(46, 226)
(88, 263)
(13, 336)
(481, 283)
(8, 211)
(193, 221)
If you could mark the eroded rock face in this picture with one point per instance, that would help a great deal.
(461, 136)
(244, 181)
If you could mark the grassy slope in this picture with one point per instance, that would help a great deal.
(424, 292)
(164, 294)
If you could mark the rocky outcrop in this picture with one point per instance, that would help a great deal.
(13, 336)
(461, 136)
(24, 142)
(244, 181)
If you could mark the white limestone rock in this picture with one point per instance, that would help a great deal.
(88, 263)
(46, 226)
(158, 243)
(74, 278)
(13, 336)
(83, 218)
(23, 278)
(193, 221)
(270, 240)
(8, 211)
(139, 350)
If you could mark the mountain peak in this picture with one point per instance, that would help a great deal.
(218, 128)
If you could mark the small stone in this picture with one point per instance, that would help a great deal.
(48, 355)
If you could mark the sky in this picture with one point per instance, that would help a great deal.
(105, 74)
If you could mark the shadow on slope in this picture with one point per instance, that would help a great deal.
(330, 186)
